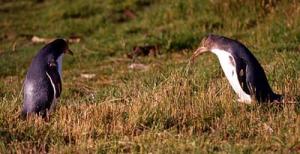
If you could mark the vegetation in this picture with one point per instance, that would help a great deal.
(166, 107)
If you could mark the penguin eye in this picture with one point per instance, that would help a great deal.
(52, 63)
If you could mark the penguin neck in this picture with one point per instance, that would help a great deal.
(220, 53)
(59, 63)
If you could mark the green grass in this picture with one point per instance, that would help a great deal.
(164, 109)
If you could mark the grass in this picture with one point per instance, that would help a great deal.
(164, 109)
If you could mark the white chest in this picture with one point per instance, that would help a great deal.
(228, 65)
(59, 63)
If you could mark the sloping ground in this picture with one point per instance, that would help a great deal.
(165, 105)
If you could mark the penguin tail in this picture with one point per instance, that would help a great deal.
(277, 97)
(23, 115)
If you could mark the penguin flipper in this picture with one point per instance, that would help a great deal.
(241, 73)
(250, 82)
(54, 77)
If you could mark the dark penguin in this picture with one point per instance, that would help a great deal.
(243, 71)
(43, 80)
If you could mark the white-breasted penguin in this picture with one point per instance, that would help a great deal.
(241, 68)
(42, 85)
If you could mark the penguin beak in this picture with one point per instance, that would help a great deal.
(69, 51)
(198, 52)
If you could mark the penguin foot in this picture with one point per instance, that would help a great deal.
(244, 101)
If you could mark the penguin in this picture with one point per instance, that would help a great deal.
(243, 71)
(43, 81)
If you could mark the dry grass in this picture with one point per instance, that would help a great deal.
(173, 113)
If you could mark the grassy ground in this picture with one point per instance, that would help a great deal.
(162, 109)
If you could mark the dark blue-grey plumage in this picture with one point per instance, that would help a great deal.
(250, 73)
(43, 82)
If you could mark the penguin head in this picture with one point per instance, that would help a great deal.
(57, 48)
(206, 45)
(211, 42)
